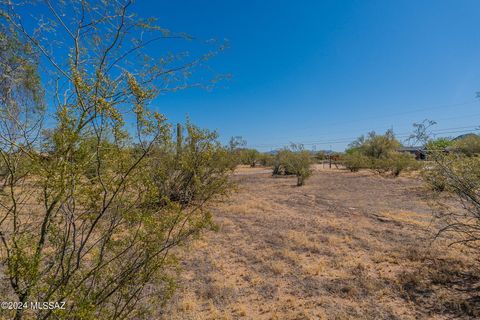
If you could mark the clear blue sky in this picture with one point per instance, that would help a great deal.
(318, 72)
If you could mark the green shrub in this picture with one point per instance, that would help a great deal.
(194, 170)
(400, 162)
(434, 179)
(378, 152)
(355, 161)
(376, 146)
(248, 157)
(469, 145)
(279, 167)
(395, 163)
(438, 144)
(89, 219)
(266, 159)
(293, 161)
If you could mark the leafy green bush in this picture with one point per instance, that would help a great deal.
(438, 144)
(195, 170)
(434, 178)
(469, 145)
(355, 161)
(395, 163)
(376, 146)
(266, 159)
(378, 152)
(278, 169)
(293, 161)
(248, 157)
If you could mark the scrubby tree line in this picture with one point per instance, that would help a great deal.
(381, 152)
(291, 160)
(378, 152)
(248, 156)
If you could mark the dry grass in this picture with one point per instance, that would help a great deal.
(345, 246)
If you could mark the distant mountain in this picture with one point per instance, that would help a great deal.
(272, 152)
(313, 152)
(325, 151)
(466, 135)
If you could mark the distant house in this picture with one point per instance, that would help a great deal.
(420, 153)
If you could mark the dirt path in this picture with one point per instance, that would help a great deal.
(340, 247)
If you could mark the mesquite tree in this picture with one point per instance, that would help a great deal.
(293, 160)
(454, 170)
(82, 218)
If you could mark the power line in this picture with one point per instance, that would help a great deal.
(463, 129)
(400, 135)
(388, 116)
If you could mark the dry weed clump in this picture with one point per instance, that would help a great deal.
(188, 304)
(278, 267)
(219, 293)
(358, 285)
(443, 283)
(302, 242)
(250, 205)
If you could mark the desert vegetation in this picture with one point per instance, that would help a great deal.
(333, 250)
(91, 209)
(293, 160)
(328, 250)
(111, 211)
(457, 173)
(247, 156)
(468, 145)
(380, 153)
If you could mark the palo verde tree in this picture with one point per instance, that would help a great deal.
(457, 172)
(194, 171)
(21, 100)
(460, 175)
(421, 133)
(293, 160)
(83, 219)
(354, 160)
(241, 154)
(249, 157)
(438, 144)
(379, 152)
(374, 145)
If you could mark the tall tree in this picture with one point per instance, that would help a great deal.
(82, 220)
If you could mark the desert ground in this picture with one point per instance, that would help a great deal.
(344, 246)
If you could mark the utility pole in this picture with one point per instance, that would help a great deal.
(330, 157)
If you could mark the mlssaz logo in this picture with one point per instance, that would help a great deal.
(47, 305)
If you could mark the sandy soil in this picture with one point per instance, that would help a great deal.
(344, 246)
